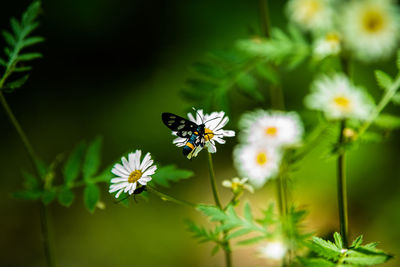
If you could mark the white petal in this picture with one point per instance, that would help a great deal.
(150, 171)
(144, 180)
(227, 183)
(119, 193)
(145, 161)
(137, 160)
(133, 187)
(212, 148)
(120, 171)
(131, 158)
(229, 133)
(126, 164)
(149, 163)
(118, 180)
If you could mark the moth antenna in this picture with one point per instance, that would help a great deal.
(202, 122)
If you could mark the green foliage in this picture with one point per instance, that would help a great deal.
(92, 159)
(238, 226)
(387, 121)
(334, 254)
(66, 197)
(72, 167)
(91, 196)
(166, 175)
(383, 79)
(18, 40)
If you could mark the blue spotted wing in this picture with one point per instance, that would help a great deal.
(184, 128)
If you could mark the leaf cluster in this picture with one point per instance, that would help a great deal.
(329, 254)
(18, 40)
(80, 169)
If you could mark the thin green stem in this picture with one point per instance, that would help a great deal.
(32, 155)
(226, 246)
(264, 14)
(342, 189)
(166, 197)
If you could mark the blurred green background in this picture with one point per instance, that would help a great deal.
(111, 68)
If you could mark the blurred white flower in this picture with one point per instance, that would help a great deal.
(337, 98)
(311, 14)
(131, 172)
(371, 28)
(275, 250)
(214, 123)
(257, 162)
(237, 185)
(273, 128)
(326, 45)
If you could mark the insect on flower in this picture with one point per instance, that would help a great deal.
(193, 134)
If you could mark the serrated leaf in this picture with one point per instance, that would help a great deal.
(215, 250)
(74, 162)
(338, 240)
(3, 62)
(383, 79)
(357, 242)
(325, 249)
(48, 196)
(238, 233)
(66, 197)
(92, 159)
(15, 26)
(396, 99)
(215, 213)
(388, 121)
(398, 59)
(17, 83)
(30, 181)
(91, 196)
(164, 176)
(22, 69)
(29, 56)
(208, 70)
(268, 73)
(364, 259)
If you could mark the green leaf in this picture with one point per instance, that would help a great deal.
(365, 258)
(316, 262)
(30, 181)
(22, 69)
(3, 62)
(398, 59)
(17, 83)
(357, 242)
(215, 213)
(15, 26)
(387, 121)
(202, 234)
(73, 165)
(215, 250)
(237, 233)
(164, 176)
(92, 160)
(9, 38)
(208, 70)
(268, 73)
(325, 249)
(338, 240)
(383, 79)
(396, 99)
(247, 212)
(29, 56)
(66, 197)
(48, 196)
(32, 41)
(252, 240)
(91, 196)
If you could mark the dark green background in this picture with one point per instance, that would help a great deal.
(110, 68)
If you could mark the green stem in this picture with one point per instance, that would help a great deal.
(342, 189)
(264, 14)
(387, 97)
(166, 197)
(32, 155)
(226, 246)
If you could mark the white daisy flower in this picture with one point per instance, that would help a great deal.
(238, 185)
(337, 98)
(257, 162)
(214, 131)
(274, 250)
(273, 128)
(310, 14)
(371, 28)
(327, 45)
(131, 172)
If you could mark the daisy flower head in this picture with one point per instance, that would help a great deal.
(328, 44)
(213, 130)
(274, 250)
(257, 162)
(273, 128)
(371, 28)
(132, 174)
(237, 185)
(310, 14)
(338, 99)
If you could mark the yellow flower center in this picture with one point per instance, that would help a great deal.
(261, 158)
(235, 186)
(332, 37)
(208, 134)
(271, 131)
(342, 102)
(310, 8)
(134, 176)
(373, 21)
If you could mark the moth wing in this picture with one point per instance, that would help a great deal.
(184, 128)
